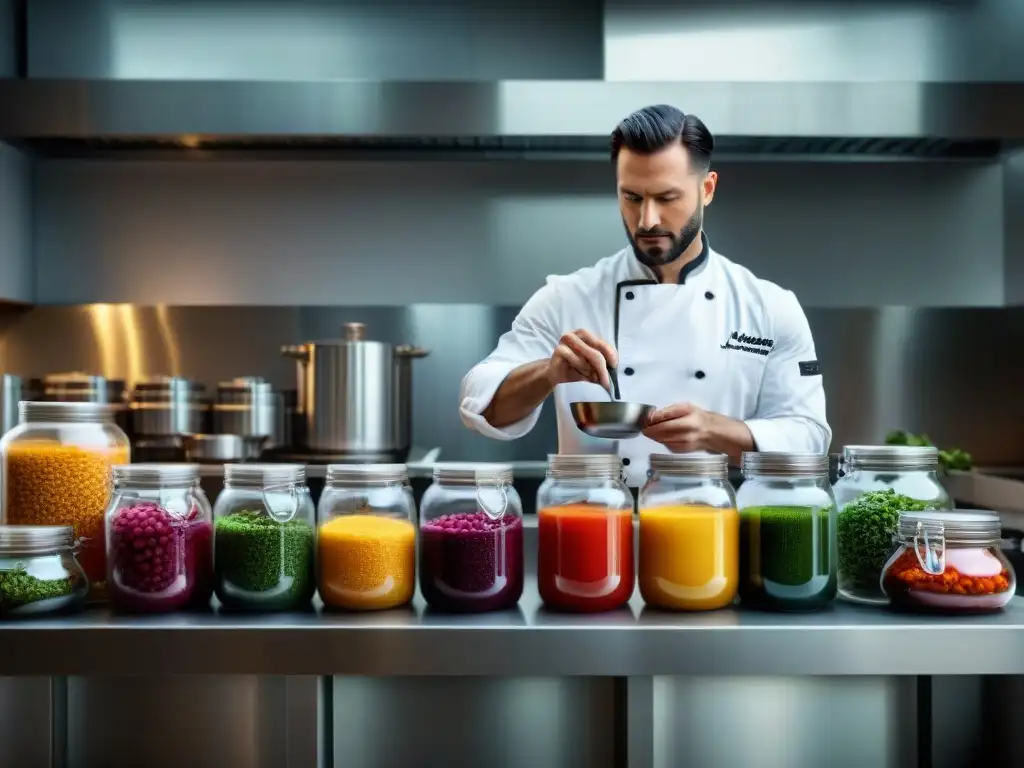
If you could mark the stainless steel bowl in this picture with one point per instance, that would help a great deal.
(611, 420)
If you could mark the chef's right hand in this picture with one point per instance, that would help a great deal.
(582, 356)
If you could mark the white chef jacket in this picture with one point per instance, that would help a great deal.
(721, 339)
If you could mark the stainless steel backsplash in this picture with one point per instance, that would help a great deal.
(953, 373)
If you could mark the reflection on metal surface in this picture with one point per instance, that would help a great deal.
(945, 372)
(340, 39)
(1013, 228)
(820, 40)
(27, 735)
(493, 722)
(202, 721)
(809, 722)
(507, 110)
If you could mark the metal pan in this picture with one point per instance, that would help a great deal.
(611, 420)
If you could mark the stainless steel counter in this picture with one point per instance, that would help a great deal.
(531, 641)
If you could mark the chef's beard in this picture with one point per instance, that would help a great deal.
(659, 257)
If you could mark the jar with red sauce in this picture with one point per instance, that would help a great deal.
(471, 539)
(585, 534)
(949, 562)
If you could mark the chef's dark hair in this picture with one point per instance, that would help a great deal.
(653, 128)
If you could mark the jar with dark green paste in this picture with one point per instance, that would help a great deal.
(788, 553)
(264, 538)
(39, 574)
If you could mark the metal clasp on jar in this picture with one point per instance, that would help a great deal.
(493, 500)
(281, 513)
(933, 561)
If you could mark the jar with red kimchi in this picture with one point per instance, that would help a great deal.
(949, 562)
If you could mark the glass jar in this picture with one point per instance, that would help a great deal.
(57, 470)
(264, 538)
(787, 532)
(879, 482)
(689, 533)
(949, 562)
(366, 539)
(39, 574)
(159, 539)
(471, 539)
(585, 534)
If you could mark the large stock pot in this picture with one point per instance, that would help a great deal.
(355, 397)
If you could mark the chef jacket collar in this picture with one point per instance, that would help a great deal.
(692, 269)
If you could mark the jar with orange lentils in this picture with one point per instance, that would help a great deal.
(366, 542)
(57, 470)
(949, 562)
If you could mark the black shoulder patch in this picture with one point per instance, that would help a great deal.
(810, 368)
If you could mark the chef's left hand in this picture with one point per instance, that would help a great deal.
(682, 427)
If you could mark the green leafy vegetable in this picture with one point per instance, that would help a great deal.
(17, 588)
(865, 529)
(950, 458)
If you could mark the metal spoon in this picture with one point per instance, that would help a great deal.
(613, 377)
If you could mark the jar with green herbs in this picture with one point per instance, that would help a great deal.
(879, 482)
(787, 532)
(39, 574)
(264, 538)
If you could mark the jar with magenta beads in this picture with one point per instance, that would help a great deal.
(471, 539)
(159, 539)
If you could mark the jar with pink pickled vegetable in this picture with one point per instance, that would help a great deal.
(159, 539)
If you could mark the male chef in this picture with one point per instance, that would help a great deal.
(726, 358)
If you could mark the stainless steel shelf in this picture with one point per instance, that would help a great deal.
(527, 642)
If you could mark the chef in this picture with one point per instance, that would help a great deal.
(726, 357)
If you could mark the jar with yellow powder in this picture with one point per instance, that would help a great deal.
(366, 539)
(689, 533)
(57, 470)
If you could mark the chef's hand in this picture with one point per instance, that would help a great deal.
(681, 428)
(581, 356)
(684, 427)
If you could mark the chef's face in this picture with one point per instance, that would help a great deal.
(662, 199)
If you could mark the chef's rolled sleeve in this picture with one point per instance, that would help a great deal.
(790, 414)
(533, 336)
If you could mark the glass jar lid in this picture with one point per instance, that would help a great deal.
(894, 457)
(367, 474)
(778, 464)
(264, 475)
(155, 475)
(690, 464)
(35, 539)
(473, 474)
(607, 466)
(975, 527)
(64, 413)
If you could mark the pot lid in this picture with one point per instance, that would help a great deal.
(355, 333)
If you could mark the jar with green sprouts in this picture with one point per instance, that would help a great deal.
(264, 538)
(879, 482)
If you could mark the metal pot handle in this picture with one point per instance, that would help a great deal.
(411, 352)
(298, 352)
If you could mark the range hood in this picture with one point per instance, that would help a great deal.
(511, 117)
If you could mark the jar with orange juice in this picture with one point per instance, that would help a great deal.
(689, 533)
(58, 470)
(585, 534)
